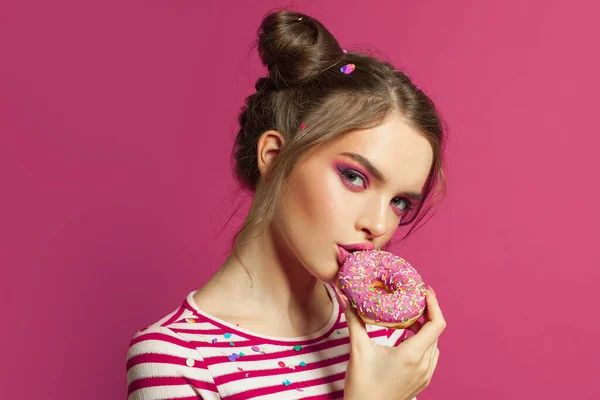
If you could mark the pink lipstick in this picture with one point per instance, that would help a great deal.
(344, 250)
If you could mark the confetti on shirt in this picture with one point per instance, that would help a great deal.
(260, 368)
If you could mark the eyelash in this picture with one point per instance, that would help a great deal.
(349, 172)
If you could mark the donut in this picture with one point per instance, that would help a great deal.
(384, 289)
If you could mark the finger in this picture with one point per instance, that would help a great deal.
(356, 328)
(426, 316)
(433, 312)
(431, 329)
(342, 300)
(416, 326)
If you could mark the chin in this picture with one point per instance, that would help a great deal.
(323, 275)
(329, 276)
(322, 270)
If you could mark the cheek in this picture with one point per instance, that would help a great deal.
(315, 199)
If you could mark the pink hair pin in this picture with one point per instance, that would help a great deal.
(348, 68)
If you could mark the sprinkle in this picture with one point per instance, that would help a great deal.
(233, 357)
(345, 51)
(281, 364)
(348, 68)
(297, 348)
(240, 369)
(303, 126)
(407, 295)
(231, 344)
(339, 333)
(214, 340)
(241, 354)
(227, 335)
(300, 390)
(256, 348)
(190, 321)
(286, 383)
(302, 364)
(300, 19)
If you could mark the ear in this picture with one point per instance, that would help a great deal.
(269, 145)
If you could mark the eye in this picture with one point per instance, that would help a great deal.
(402, 203)
(353, 178)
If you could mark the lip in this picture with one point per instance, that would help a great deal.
(344, 250)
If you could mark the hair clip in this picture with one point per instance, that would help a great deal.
(348, 68)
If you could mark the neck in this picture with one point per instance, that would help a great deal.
(269, 278)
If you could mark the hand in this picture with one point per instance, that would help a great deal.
(400, 372)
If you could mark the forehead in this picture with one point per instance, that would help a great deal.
(401, 153)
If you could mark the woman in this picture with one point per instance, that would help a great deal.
(339, 149)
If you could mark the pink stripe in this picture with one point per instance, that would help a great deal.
(169, 381)
(163, 338)
(161, 359)
(400, 339)
(329, 396)
(281, 354)
(189, 398)
(216, 332)
(223, 379)
(262, 339)
(324, 345)
(279, 388)
(223, 345)
(340, 325)
(174, 317)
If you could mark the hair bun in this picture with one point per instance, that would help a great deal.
(295, 47)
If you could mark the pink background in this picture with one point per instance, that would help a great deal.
(117, 120)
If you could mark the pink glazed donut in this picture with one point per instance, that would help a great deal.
(384, 288)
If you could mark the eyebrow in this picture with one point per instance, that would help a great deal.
(376, 172)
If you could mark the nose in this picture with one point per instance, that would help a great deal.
(372, 220)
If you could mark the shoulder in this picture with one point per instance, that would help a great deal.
(159, 343)
(161, 363)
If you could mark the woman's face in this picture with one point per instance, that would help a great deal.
(354, 189)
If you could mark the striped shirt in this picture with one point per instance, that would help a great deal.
(190, 354)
